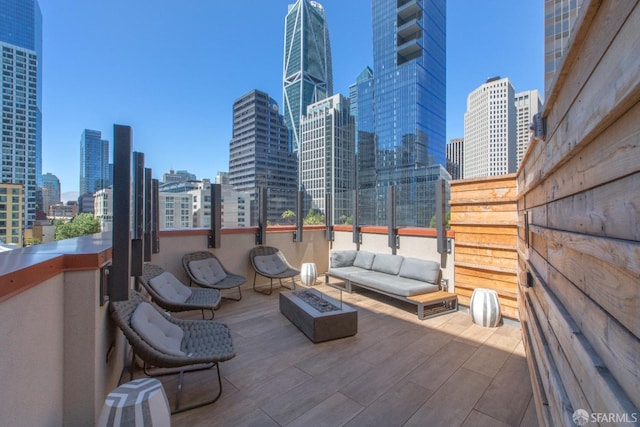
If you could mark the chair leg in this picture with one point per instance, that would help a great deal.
(239, 294)
(258, 290)
(293, 287)
(177, 409)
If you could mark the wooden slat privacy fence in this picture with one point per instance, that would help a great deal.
(484, 218)
(579, 235)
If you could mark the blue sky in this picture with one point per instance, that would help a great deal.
(172, 70)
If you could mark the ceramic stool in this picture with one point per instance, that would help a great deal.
(485, 307)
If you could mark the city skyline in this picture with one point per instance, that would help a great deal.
(138, 77)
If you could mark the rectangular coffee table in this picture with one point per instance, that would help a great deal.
(318, 325)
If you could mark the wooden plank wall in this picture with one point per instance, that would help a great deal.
(579, 225)
(484, 218)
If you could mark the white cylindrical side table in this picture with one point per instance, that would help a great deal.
(141, 402)
(485, 307)
(308, 274)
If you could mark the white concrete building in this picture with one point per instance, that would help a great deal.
(528, 104)
(201, 203)
(236, 208)
(490, 130)
(103, 208)
(175, 210)
(327, 155)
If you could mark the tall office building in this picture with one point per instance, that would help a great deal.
(307, 74)
(409, 103)
(21, 45)
(94, 162)
(455, 158)
(51, 196)
(327, 156)
(528, 104)
(259, 156)
(490, 130)
(560, 17)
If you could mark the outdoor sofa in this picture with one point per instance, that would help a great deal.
(413, 280)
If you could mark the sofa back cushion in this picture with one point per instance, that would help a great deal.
(387, 263)
(364, 259)
(420, 269)
(343, 258)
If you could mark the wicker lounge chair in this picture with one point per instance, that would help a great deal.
(205, 270)
(205, 343)
(196, 298)
(270, 262)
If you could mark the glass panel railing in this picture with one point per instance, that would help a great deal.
(281, 207)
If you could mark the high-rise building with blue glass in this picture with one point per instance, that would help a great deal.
(21, 46)
(94, 162)
(307, 71)
(408, 102)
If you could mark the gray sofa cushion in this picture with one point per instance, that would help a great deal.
(343, 258)
(346, 273)
(420, 269)
(392, 284)
(364, 259)
(387, 263)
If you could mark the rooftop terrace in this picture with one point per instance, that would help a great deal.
(397, 370)
(559, 241)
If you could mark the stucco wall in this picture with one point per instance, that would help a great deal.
(32, 353)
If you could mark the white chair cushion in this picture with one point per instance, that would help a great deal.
(207, 271)
(161, 334)
(270, 264)
(170, 288)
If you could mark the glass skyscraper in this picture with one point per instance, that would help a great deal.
(307, 73)
(94, 162)
(21, 46)
(407, 141)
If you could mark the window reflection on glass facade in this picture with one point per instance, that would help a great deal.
(403, 144)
